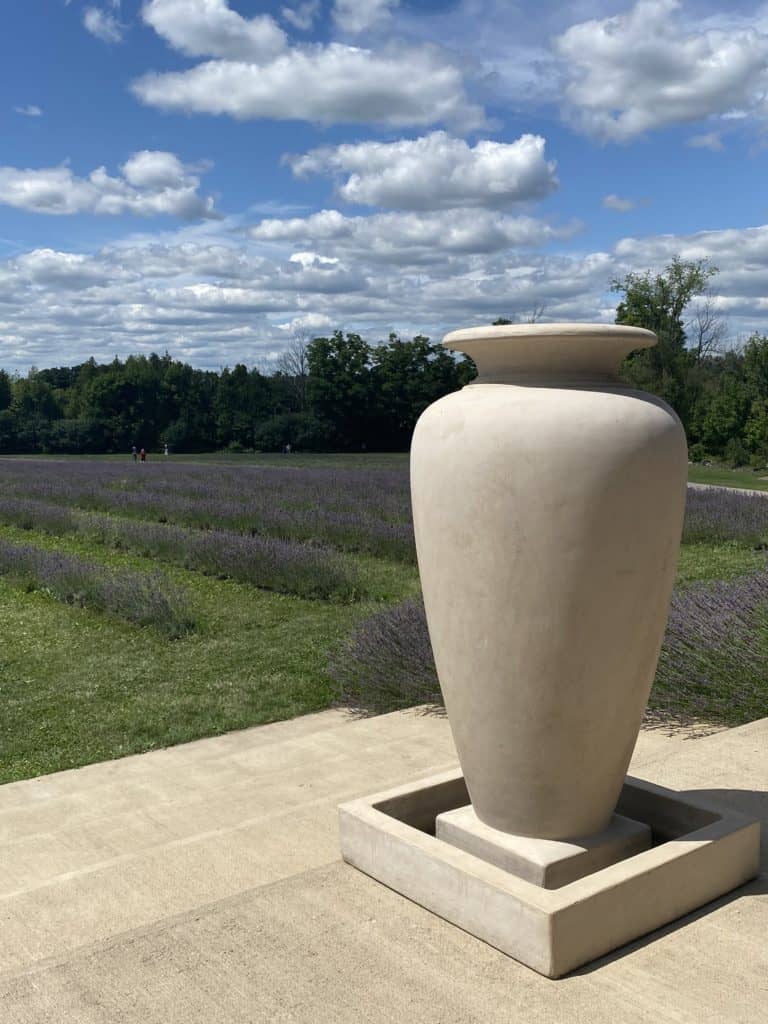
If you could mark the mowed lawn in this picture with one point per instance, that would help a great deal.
(79, 686)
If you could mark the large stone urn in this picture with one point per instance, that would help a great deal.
(548, 502)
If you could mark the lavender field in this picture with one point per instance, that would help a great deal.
(713, 666)
(350, 509)
(145, 605)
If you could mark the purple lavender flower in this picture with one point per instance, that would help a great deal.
(145, 599)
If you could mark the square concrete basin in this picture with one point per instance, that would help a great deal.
(699, 852)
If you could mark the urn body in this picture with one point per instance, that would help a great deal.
(548, 501)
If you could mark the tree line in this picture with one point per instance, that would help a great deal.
(342, 393)
(333, 393)
(720, 392)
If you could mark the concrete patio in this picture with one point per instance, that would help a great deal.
(203, 883)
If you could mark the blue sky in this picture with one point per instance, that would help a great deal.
(213, 177)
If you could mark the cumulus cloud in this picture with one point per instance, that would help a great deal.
(355, 16)
(103, 25)
(220, 300)
(614, 202)
(308, 324)
(709, 140)
(214, 304)
(648, 68)
(436, 171)
(152, 182)
(326, 84)
(48, 267)
(30, 110)
(409, 238)
(303, 16)
(210, 28)
(740, 254)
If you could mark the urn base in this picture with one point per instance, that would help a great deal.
(545, 862)
(700, 851)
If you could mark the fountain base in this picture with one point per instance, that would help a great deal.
(699, 851)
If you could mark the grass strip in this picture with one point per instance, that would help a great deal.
(713, 665)
(143, 599)
(289, 567)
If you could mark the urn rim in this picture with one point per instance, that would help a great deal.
(639, 336)
(509, 352)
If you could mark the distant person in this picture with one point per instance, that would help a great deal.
(165, 449)
(134, 452)
(143, 455)
(287, 449)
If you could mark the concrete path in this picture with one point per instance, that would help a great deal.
(203, 884)
(722, 487)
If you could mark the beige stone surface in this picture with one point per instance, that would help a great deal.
(544, 862)
(203, 883)
(702, 853)
(547, 573)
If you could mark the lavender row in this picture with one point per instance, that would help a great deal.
(322, 506)
(713, 664)
(357, 531)
(387, 490)
(714, 660)
(387, 662)
(717, 514)
(289, 567)
(303, 569)
(140, 598)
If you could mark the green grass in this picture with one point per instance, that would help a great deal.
(722, 476)
(325, 460)
(78, 687)
(700, 562)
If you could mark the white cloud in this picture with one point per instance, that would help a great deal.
(60, 269)
(210, 28)
(219, 300)
(326, 84)
(356, 16)
(709, 140)
(649, 67)
(614, 202)
(409, 238)
(308, 324)
(311, 259)
(741, 256)
(436, 171)
(302, 16)
(103, 25)
(154, 169)
(152, 183)
(30, 110)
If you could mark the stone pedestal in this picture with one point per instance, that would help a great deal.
(548, 501)
(545, 862)
(699, 852)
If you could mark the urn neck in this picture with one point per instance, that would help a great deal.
(558, 355)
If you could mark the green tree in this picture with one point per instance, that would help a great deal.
(725, 414)
(242, 401)
(6, 391)
(340, 387)
(658, 301)
(407, 377)
(33, 407)
(756, 430)
(756, 366)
